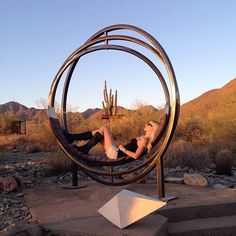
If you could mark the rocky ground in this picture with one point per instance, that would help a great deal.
(31, 170)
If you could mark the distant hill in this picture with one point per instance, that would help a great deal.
(214, 104)
(214, 113)
(23, 112)
(99, 113)
(14, 107)
(90, 112)
(147, 108)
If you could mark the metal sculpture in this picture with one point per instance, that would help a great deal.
(102, 40)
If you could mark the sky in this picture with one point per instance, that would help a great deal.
(38, 36)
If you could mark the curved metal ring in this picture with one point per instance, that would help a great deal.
(158, 51)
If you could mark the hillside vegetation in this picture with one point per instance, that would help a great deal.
(212, 116)
(207, 125)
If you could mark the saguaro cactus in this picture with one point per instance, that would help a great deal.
(110, 102)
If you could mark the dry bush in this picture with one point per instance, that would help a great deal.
(12, 141)
(40, 137)
(33, 147)
(193, 130)
(224, 161)
(183, 153)
(58, 163)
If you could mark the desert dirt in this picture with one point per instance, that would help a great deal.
(33, 172)
(30, 170)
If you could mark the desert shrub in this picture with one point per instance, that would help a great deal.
(33, 148)
(58, 163)
(184, 153)
(40, 136)
(224, 162)
(74, 121)
(12, 141)
(224, 135)
(193, 130)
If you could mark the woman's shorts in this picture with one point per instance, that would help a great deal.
(112, 152)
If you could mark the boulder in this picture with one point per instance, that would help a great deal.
(195, 179)
(8, 184)
(220, 186)
(129, 176)
(174, 180)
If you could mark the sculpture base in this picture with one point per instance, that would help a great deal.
(128, 207)
(168, 198)
(74, 187)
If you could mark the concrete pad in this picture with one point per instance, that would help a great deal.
(99, 226)
(225, 225)
(198, 195)
(54, 204)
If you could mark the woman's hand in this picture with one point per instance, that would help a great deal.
(122, 148)
(141, 145)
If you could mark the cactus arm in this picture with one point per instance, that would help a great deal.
(110, 101)
(115, 103)
(104, 108)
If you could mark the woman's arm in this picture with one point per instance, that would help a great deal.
(141, 145)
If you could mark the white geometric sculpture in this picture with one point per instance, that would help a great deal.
(128, 207)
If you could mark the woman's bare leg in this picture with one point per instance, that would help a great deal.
(95, 131)
(108, 139)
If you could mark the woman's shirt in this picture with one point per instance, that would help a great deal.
(132, 146)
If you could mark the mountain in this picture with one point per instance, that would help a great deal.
(13, 107)
(99, 113)
(23, 112)
(147, 109)
(90, 112)
(214, 104)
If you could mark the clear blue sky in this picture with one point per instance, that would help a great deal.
(37, 37)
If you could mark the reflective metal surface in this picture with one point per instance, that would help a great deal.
(102, 40)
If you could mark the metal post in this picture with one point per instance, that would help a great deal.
(75, 184)
(111, 177)
(160, 178)
(74, 175)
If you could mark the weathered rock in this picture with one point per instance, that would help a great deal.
(174, 180)
(195, 179)
(129, 176)
(20, 195)
(185, 169)
(230, 184)
(15, 150)
(190, 171)
(8, 184)
(219, 186)
(178, 168)
(2, 226)
(24, 208)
